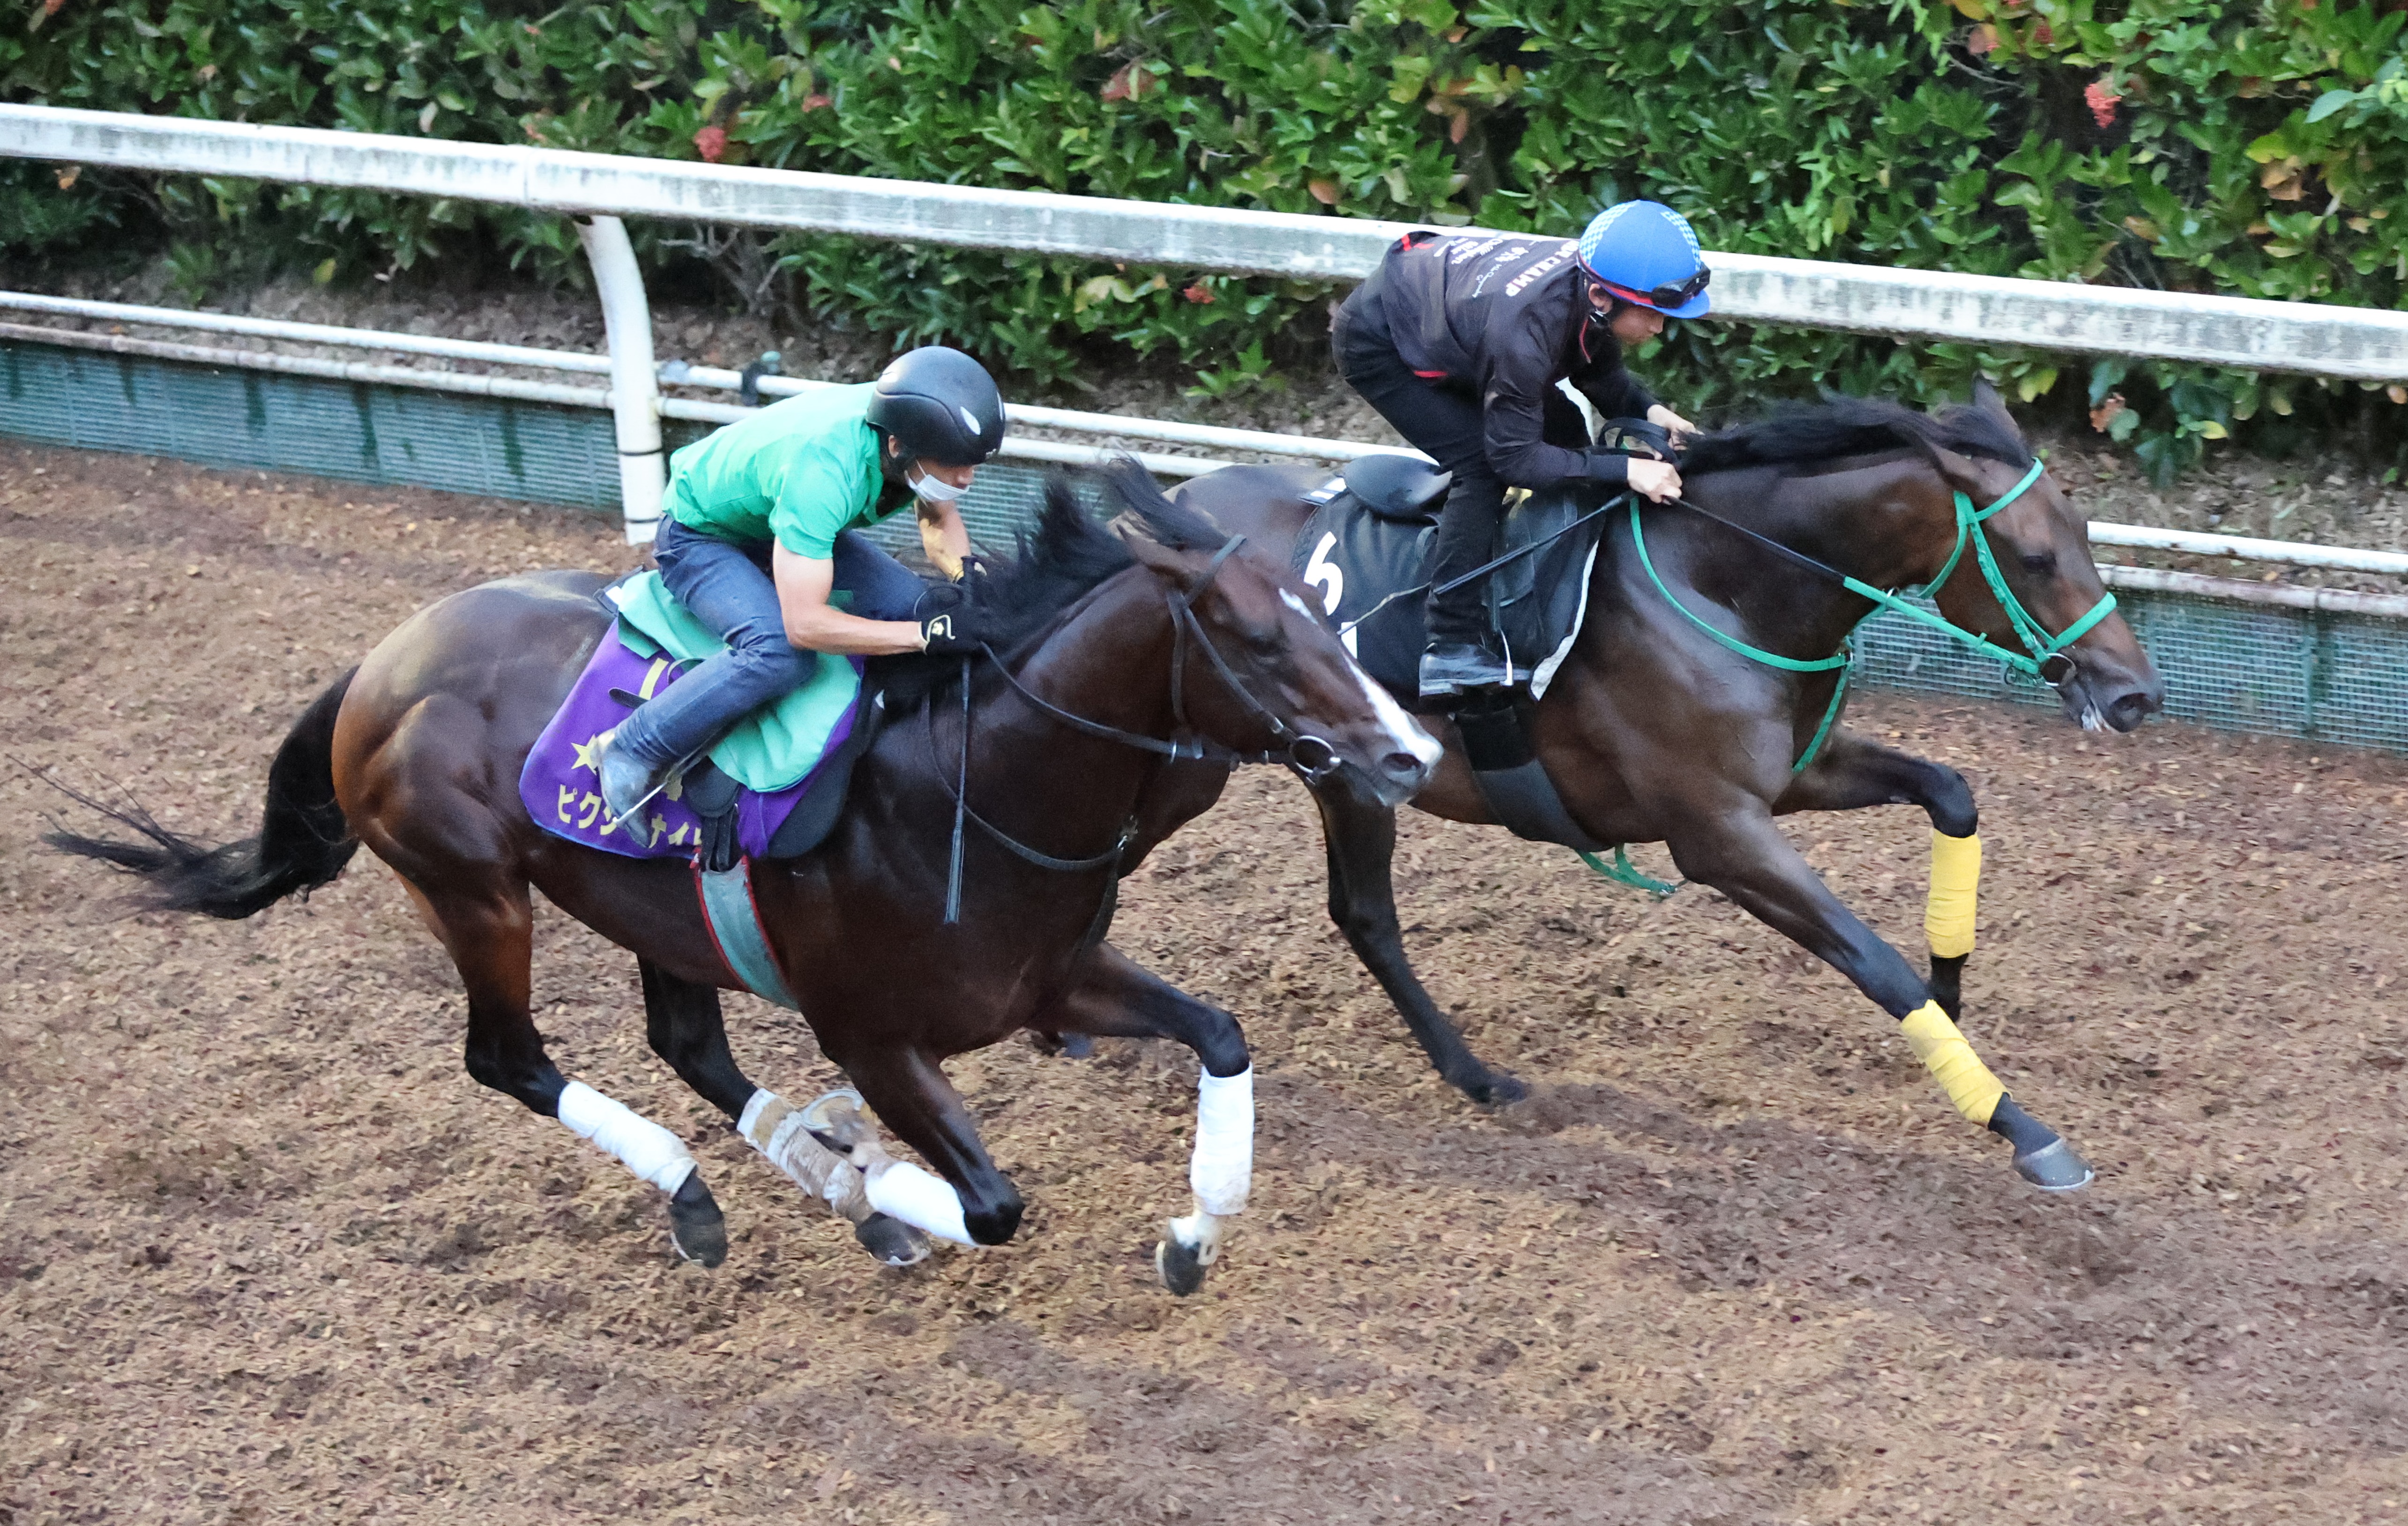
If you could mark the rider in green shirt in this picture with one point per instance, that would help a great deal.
(762, 542)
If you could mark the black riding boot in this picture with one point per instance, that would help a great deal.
(1459, 660)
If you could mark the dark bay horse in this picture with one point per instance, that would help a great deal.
(1171, 629)
(1656, 730)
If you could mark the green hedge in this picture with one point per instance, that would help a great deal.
(2192, 146)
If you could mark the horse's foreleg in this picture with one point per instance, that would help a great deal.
(1116, 999)
(973, 1203)
(1854, 773)
(1743, 855)
(490, 940)
(684, 1022)
(1361, 837)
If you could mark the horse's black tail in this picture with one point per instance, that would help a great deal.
(303, 841)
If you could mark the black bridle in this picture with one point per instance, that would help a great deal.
(1314, 758)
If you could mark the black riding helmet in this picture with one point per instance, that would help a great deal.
(940, 406)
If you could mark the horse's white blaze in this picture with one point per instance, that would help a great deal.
(643, 1147)
(774, 1127)
(1408, 733)
(1405, 734)
(1221, 1170)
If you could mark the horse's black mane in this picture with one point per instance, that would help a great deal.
(1065, 552)
(1843, 427)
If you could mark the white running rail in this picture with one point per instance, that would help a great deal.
(2356, 343)
(1069, 421)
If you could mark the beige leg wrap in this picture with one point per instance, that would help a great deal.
(1955, 880)
(774, 1127)
(1952, 1063)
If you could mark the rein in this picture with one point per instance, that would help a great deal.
(1312, 757)
(2043, 654)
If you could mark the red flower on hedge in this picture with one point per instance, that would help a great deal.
(710, 143)
(1197, 292)
(2103, 98)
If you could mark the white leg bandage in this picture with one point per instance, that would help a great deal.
(641, 1146)
(1223, 1167)
(1202, 1232)
(904, 1191)
(775, 1127)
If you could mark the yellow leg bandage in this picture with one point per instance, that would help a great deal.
(1952, 1063)
(1955, 878)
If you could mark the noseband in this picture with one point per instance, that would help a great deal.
(1313, 757)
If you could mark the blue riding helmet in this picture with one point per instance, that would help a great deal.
(1645, 253)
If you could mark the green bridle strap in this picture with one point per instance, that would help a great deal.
(2035, 637)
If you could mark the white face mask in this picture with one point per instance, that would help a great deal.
(933, 490)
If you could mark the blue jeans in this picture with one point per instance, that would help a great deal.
(728, 587)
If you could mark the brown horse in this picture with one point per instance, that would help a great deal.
(1656, 730)
(1172, 630)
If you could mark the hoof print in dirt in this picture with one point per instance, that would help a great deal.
(697, 1230)
(2055, 1168)
(892, 1241)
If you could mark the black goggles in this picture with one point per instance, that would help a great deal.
(1662, 296)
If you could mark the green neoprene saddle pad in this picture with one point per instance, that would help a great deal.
(778, 743)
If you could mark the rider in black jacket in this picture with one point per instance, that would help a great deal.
(1459, 340)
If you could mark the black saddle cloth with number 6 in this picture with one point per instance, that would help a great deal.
(1366, 552)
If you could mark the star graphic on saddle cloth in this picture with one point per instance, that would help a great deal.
(589, 751)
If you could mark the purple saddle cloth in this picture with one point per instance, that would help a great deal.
(559, 783)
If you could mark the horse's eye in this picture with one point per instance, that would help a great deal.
(2040, 561)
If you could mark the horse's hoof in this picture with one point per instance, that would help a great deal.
(697, 1230)
(1497, 1090)
(1181, 1267)
(892, 1241)
(2055, 1168)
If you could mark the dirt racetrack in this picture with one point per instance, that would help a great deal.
(272, 1257)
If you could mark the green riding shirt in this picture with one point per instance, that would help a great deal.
(797, 473)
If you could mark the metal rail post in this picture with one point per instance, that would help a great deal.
(634, 386)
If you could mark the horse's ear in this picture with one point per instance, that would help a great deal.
(1960, 472)
(1986, 398)
(1151, 554)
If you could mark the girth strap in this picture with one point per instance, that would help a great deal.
(735, 923)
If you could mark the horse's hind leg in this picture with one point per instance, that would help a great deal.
(1854, 773)
(1361, 837)
(1115, 999)
(1740, 853)
(684, 1026)
(490, 940)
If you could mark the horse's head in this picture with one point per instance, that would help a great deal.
(2039, 547)
(1257, 672)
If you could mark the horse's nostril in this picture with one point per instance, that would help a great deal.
(1405, 766)
(2130, 708)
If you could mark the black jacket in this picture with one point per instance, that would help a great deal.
(1506, 317)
